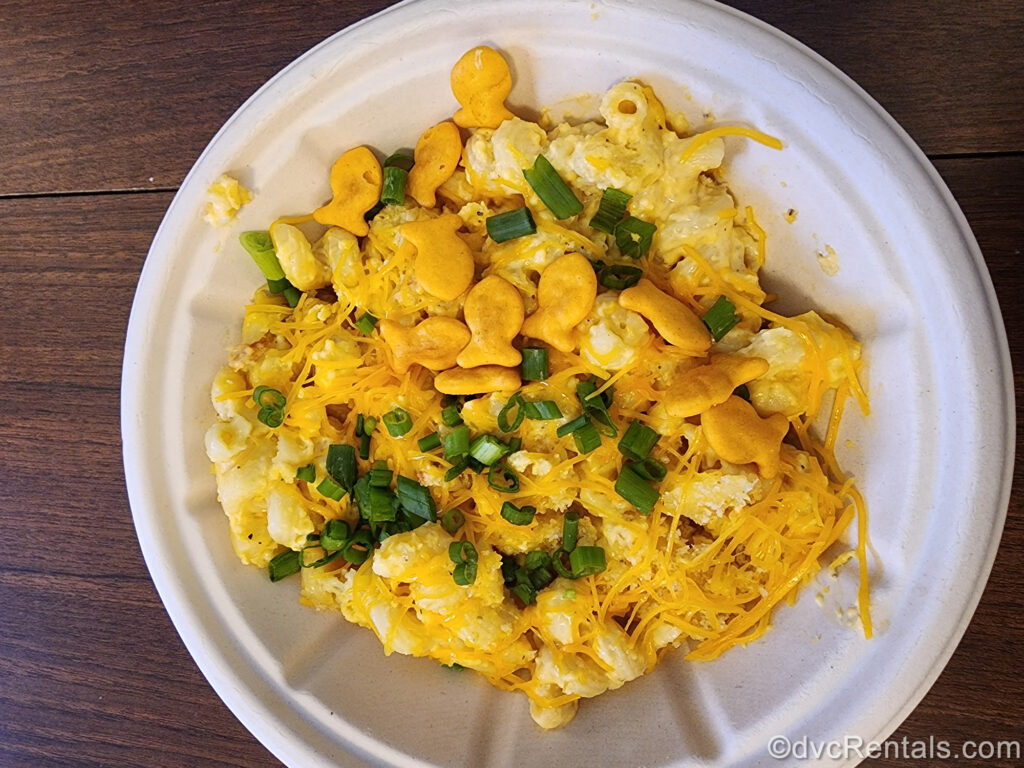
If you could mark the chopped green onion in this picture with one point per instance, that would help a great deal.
(462, 552)
(456, 443)
(450, 416)
(649, 469)
(620, 276)
(361, 493)
(464, 574)
(518, 515)
(742, 391)
(369, 424)
(415, 499)
(586, 561)
(637, 441)
(360, 424)
(516, 401)
(261, 248)
(292, 295)
(612, 209)
(541, 577)
(475, 465)
(487, 449)
(558, 563)
(359, 546)
(331, 489)
(271, 403)
(392, 191)
(364, 446)
(569, 594)
(452, 520)
(335, 536)
(637, 491)
(542, 410)
(596, 405)
(510, 225)
(383, 505)
(515, 444)
(398, 422)
(570, 531)
(634, 236)
(508, 475)
(328, 558)
(341, 465)
(456, 469)
(536, 559)
(370, 214)
(525, 592)
(571, 426)
(307, 473)
(721, 318)
(535, 363)
(509, 566)
(552, 189)
(400, 160)
(284, 564)
(366, 323)
(587, 438)
(429, 442)
(279, 286)
(380, 475)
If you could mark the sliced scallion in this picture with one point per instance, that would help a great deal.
(330, 489)
(596, 405)
(720, 318)
(525, 592)
(261, 248)
(464, 574)
(516, 402)
(570, 531)
(450, 416)
(364, 446)
(271, 403)
(637, 491)
(552, 189)
(398, 422)
(452, 520)
(380, 475)
(307, 473)
(571, 426)
(586, 561)
(637, 441)
(429, 442)
(518, 515)
(508, 475)
(415, 499)
(510, 225)
(359, 547)
(587, 438)
(634, 236)
(456, 469)
(612, 209)
(383, 505)
(456, 443)
(487, 449)
(392, 191)
(620, 276)
(284, 564)
(542, 410)
(649, 469)
(538, 558)
(366, 323)
(400, 160)
(335, 535)
(535, 363)
(341, 465)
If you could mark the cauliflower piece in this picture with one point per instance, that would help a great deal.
(710, 497)
(612, 336)
(224, 198)
(226, 439)
(288, 520)
(339, 250)
(305, 268)
(495, 159)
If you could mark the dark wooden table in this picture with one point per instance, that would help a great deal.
(105, 106)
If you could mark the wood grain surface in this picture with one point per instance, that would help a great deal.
(103, 109)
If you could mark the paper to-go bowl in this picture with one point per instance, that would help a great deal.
(933, 459)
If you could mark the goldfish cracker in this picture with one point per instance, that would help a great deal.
(669, 316)
(356, 180)
(433, 343)
(477, 381)
(494, 313)
(737, 434)
(700, 388)
(481, 82)
(437, 154)
(444, 263)
(565, 295)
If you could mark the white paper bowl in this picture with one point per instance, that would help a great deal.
(933, 459)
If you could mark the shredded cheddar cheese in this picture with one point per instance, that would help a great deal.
(704, 566)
